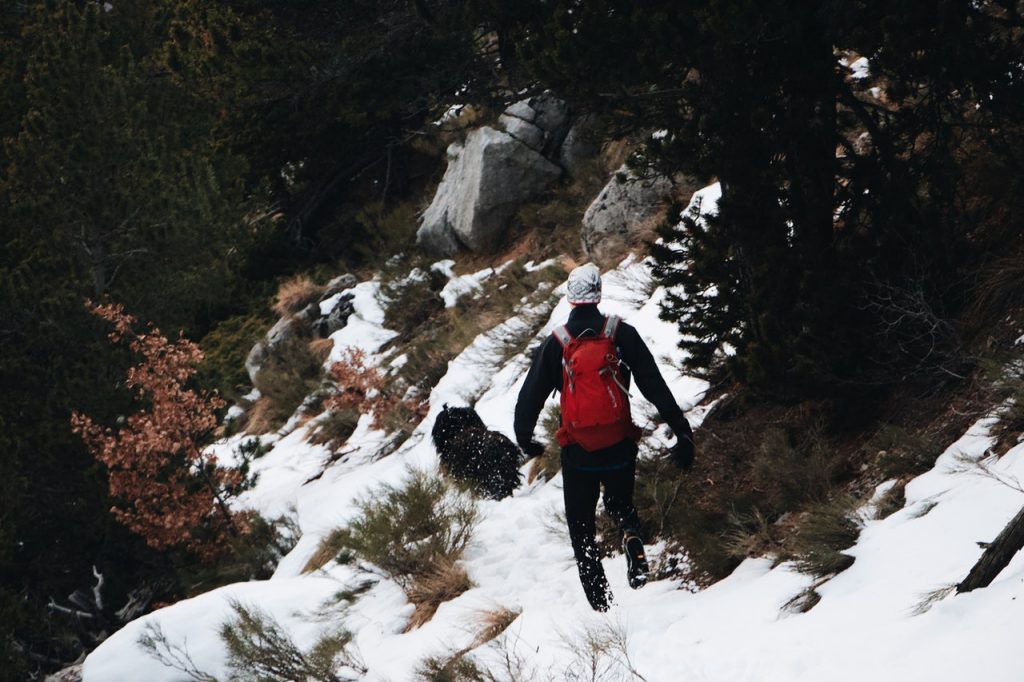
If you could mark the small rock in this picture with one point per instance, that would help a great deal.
(337, 318)
(339, 284)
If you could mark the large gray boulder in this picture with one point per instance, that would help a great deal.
(488, 177)
(614, 220)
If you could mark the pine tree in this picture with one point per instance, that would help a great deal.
(349, 88)
(842, 248)
(115, 180)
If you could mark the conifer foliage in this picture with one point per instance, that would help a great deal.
(172, 493)
(847, 232)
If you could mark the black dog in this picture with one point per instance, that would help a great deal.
(470, 453)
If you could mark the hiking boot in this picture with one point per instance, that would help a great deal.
(636, 561)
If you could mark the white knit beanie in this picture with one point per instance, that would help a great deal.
(584, 285)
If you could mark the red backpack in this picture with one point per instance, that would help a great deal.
(594, 401)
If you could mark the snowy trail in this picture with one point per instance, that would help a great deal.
(863, 628)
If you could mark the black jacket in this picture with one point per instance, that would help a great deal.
(546, 375)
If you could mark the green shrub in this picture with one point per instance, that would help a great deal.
(260, 649)
(891, 501)
(698, 531)
(900, 452)
(409, 300)
(826, 529)
(751, 535)
(226, 347)
(408, 530)
(330, 548)
(253, 448)
(454, 668)
(250, 557)
(793, 472)
(335, 427)
(385, 230)
(415, 534)
(1008, 382)
(289, 375)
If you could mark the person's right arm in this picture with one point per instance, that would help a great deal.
(540, 382)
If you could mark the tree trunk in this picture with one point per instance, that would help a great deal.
(996, 556)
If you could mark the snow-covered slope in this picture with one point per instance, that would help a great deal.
(864, 628)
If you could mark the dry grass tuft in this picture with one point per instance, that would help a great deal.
(493, 622)
(320, 349)
(598, 653)
(891, 501)
(259, 417)
(803, 602)
(295, 294)
(446, 580)
(826, 529)
(930, 599)
(329, 548)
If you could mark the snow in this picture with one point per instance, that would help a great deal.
(863, 629)
(860, 68)
(365, 327)
(460, 285)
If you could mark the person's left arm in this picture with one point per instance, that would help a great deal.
(652, 385)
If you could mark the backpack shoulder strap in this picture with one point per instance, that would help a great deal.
(563, 335)
(611, 325)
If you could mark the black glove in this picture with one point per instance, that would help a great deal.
(532, 449)
(681, 453)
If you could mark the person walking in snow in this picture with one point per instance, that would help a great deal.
(590, 360)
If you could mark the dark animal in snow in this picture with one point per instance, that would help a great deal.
(471, 453)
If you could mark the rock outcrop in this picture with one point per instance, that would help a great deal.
(320, 319)
(541, 123)
(286, 329)
(336, 318)
(615, 218)
(492, 173)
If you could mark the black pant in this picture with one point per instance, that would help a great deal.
(583, 475)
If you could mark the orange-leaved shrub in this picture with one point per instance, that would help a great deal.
(169, 491)
(364, 388)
